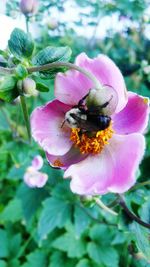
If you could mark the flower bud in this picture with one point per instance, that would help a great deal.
(28, 86)
(104, 99)
(33, 177)
(52, 23)
(29, 6)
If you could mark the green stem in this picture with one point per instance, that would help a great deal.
(104, 207)
(138, 185)
(7, 70)
(96, 83)
(27, 23)
(113, 203)
(26, 115)
(23, 248)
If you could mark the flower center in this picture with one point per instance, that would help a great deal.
(93, 144)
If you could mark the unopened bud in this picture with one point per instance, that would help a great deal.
(52, 23)
(28, 87)
(29, 6)
(104, 99)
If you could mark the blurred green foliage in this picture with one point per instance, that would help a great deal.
(51, 227)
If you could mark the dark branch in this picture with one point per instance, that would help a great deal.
(130, 214)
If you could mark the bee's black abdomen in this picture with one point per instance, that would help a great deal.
(104, 121)
(99, 122)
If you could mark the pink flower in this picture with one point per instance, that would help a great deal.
(34, 178)
(101, 162)
(29, 6)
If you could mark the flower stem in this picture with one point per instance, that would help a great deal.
(96, 219)
(27, 23)
(96, 83)
(26, 115)
(130, 214)
(138, 185)
(104, 207)
(7, 70)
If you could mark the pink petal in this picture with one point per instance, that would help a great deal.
(134, 117)
(47, 130)
(37, 162)
(71, 157)
(34, 178)
(113, 170)
(72, 86)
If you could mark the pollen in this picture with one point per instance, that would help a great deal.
(57, 163)
(91, 144)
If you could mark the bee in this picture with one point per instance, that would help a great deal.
(89, 119)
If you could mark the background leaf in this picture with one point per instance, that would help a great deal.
(20, 44)
(52, 54)
(8, 90)
(56, 213)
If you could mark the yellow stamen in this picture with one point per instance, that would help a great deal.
(93, 144)
(57, 163)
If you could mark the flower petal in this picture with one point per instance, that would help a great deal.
(47, 130)
(71, 157)
(134, 117)
(72, 86)
(34, 178)
(111, 170)
(37, 162)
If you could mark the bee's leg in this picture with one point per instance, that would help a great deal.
(80, 103)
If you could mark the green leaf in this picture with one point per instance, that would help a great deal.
(3, 263)
(145, 211)
(105, 255)
(8, 90)
(20, 44)
(99, 234)
(4, 163)
(21, 72)
(62, 191)
(83, 263)
(142, 239)
(81, 220)
(142, 234)
(14, 245)
(74, 246)
(14, 263)
(120, 238)
(3, 244)
(60, 259)
(31, 200)
(36, 259)
(42, 87)
(12, 212)
(52, 54)
(55, 213)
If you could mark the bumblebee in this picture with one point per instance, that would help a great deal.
(89, 119)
